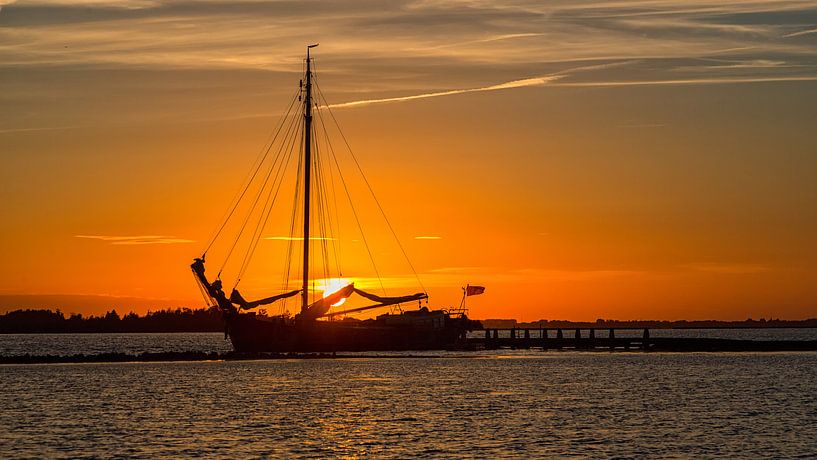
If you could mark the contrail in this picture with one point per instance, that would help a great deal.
(552, 79)
(525, 82)
(535, 81)
(691, 81)
(802, 32)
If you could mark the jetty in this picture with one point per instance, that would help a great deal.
(621, 339)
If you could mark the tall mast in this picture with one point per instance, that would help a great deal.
(307, 174)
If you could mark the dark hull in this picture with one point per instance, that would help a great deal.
(248, 333)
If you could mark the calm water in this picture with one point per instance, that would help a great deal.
(485, 404)
(72, 344)
(519, 404)
(69, 344)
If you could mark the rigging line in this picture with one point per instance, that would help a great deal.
(271, 198)
(327, 219)
(266, 210)
(335, 242)
(320, 196)
(252, 208)
(351, 205)
(206, 297)
(318, 204)
(354, 211)
(258, 196)
(262, 155)
(326, 227)
(382, 211)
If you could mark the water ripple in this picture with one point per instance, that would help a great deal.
(557, 404)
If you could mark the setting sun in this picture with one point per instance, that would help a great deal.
(333, 285)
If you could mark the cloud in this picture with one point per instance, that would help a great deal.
(374, 54)
(482, 40)
(455, 269)
(538, 274)
(642, 125)
(39, 128)
(728, 268)
(134, 240)
(126, 4)
(297, 238)
(428, 237)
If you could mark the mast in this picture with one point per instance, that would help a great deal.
(307, 174)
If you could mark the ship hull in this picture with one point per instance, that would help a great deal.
(249, 333)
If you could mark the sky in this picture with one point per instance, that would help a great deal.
(579, 159)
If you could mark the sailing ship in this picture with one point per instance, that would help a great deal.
(319, 325)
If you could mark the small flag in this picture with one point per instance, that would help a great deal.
(474, 290)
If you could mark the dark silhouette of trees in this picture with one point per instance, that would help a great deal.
(178, 320)
(209, 320)
(652, 324)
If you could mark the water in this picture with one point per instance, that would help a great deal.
(70, 344)
(521, 404)
(502, 403)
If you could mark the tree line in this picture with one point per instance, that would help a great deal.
(47, 321)
(651, 324)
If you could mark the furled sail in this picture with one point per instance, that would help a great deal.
(382, 302)
(391, 300)
(236, 298)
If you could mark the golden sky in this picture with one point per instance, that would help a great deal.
(580, 159)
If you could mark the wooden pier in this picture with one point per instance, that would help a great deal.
(621, 339)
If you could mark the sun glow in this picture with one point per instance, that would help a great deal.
(333, 285)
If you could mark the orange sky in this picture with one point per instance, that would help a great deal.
(581, 160)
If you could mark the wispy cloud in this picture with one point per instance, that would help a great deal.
(641, 125)
(297, 238)
(127, 4)
(728, 268)
(428, 237)
(455, 269)
(134, 240)
(39, 128)
(411, 50)
(483, 40)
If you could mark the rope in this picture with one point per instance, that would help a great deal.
(382, 211)
(262, 156)
(204, 295)
(254, 204)
(320, 195)
(351, 204)
(266, 210)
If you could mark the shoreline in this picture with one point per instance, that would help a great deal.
(519, 326)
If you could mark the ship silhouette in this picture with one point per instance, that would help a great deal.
(320, 324)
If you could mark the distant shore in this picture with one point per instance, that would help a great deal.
(209, 320)
(650, 324)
